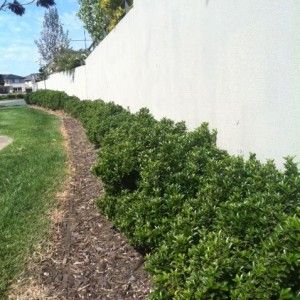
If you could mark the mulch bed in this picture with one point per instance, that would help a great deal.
(89, 259)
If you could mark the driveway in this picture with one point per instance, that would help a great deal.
(14, 102)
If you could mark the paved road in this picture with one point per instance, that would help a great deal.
(14, 102)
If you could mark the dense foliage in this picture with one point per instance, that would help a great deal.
(212, 225)
(101, 16)
(12, 96)
(94, 19)
(2, 81)
(114, 10)
(68, 59)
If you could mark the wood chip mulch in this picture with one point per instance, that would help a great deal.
(88, 258)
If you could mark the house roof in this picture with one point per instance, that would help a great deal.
(12, 76)
(31, 77)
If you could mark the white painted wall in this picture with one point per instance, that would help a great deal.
(233, 63)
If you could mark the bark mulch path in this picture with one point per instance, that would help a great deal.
(88, 258)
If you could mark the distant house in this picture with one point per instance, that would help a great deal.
(14, 83)
(18, 84)
(30, 82)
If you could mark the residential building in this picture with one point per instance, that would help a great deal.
(30, 82)
(18, 84)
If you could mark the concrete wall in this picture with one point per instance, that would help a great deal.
(235, 64)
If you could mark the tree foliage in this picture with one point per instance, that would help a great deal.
(43, 73)
(94, 19)
(19, 8)
(101, 16)
(53, 39)
(2, 82)
(69, 59)
(114, 10)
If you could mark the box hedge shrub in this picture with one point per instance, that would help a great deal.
(12, 96)
(211, 225)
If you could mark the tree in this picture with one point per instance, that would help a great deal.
(94, 19)
(101, 16)
(114, 10)
(19, 8)
(53, 38)
(68, 60)
(2, 82)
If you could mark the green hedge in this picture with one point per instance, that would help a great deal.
(212, 225)
(12, 96)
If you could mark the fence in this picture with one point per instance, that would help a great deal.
(234, 64)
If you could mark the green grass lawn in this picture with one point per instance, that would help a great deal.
(31, 171)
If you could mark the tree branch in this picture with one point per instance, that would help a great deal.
(3, 5)
(18, 8)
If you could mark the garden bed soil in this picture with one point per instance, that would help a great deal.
(87, 258)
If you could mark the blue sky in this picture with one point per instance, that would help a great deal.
(18, 52)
